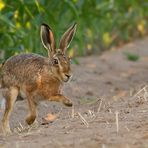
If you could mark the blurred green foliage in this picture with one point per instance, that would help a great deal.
(132, 56)
(102, 24)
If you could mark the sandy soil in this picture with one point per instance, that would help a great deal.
(105, 90)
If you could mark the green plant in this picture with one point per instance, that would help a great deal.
(101, 23)
(132, 57)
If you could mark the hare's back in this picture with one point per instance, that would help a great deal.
(23, 67)
(24, 60)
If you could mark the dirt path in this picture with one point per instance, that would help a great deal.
(105, 89)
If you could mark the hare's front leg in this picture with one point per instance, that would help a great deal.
(11, 97)
(61, 98)
(32, 111)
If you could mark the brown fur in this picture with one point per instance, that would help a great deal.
(35, 78)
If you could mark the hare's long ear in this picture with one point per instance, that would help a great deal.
(67, 37)
(47, 38)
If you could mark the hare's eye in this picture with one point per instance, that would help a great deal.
(55, 61)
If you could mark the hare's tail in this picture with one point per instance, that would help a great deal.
(1, 65)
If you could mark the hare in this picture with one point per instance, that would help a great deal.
(36, 78)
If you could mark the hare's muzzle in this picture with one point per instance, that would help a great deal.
(67, 77)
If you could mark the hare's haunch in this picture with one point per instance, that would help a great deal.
(34, 77)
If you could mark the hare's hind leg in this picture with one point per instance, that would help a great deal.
(61, 98)
(11, 97)
(32, 111)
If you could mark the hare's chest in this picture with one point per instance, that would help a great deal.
(48, 90)
(48, 87)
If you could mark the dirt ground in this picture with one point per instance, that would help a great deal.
(110, 96)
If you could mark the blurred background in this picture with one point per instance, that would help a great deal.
(102, 24)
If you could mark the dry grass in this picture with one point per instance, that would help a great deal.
(25, 130)
(72, 112)
(83, 120)
(117, 121)
(100, 105)
(142, 93)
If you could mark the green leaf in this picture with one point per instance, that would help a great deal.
(132, 56)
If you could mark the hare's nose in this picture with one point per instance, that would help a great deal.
(68, 76)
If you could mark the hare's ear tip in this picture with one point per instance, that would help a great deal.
(44, 25)
(75, 24)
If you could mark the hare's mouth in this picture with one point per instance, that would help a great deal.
(66, 77)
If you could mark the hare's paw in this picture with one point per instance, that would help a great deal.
(67, 102)
(5, 131)
(30, 119)
(61, 98)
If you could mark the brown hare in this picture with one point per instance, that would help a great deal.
(36, 78)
